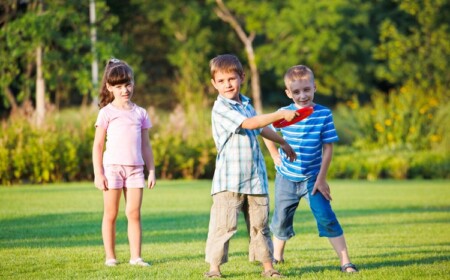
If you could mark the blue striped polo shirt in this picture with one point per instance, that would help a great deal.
(306, 138)
(240, 165)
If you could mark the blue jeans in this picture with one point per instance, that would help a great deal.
(287, 198)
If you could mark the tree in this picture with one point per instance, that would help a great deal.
(8, 69)
(61, 32)
(188, 40)
(413, 55)
(415, 51)
(40, 83)
(224, 13)
(24, 37)
(94, 69)
(333, 38)
(416, 47)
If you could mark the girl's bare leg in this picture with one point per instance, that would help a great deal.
(111, 200)
(133, 211)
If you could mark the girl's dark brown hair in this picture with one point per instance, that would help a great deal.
(116, 72)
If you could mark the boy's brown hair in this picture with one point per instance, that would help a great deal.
(225, 63)
(297, 72)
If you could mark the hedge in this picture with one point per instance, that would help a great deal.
(62, 150)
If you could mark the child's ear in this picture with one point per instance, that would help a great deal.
(288, 93)
(242, 77)
(213, 83)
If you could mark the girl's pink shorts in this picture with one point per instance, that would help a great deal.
(125, 176)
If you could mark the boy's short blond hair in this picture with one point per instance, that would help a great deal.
(297, 72)
(225, 63)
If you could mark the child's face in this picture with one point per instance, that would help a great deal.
(122, 92)
(302, 92)
(228, 84)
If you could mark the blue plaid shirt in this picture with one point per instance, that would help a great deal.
(240, 165)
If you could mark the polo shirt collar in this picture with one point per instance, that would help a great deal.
(244, 99)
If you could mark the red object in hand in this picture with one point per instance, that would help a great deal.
(302, 114)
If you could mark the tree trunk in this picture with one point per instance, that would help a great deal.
(11, 99)
(256, 89)
(94, 66)
(225, 14)
(40, 89)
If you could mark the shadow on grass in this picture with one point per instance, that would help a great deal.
(400, 210)
(296, 271)
(84, 229)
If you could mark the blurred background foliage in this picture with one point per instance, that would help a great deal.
(381, 66)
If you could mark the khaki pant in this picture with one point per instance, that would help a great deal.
(223, 225)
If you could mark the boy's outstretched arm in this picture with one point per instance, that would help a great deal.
(321, 184)
(261, 121)
(269, 137)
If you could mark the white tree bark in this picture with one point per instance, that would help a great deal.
(40, 89)
(94, 67)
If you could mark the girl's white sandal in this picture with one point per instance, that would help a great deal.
(111, 262)
(139, 262)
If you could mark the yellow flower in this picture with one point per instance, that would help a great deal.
(433, 102)
(412, 129)
(352, 105)
(379, 127)
(423, 110)
(388, 122)
(435, 138)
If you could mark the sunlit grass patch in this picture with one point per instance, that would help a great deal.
(394, 230)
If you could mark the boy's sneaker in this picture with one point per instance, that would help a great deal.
(139, 262)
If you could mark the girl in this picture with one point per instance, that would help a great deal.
(121, 167)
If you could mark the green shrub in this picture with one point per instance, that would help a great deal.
(406, 118)
(183, 147)
(5, 170)
(382, 164)
(49, 153)
(180, 152)
(428, 165)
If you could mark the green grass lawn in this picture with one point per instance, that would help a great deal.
(394, 230)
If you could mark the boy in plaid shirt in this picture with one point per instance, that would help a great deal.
(240, 178)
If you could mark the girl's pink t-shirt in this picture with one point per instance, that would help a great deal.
(123, 134)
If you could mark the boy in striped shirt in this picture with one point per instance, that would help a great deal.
(312, 139)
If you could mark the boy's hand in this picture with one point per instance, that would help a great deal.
(290, 153)
(100, 182)
(151, 179)
(323, 188)
(289, 115)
